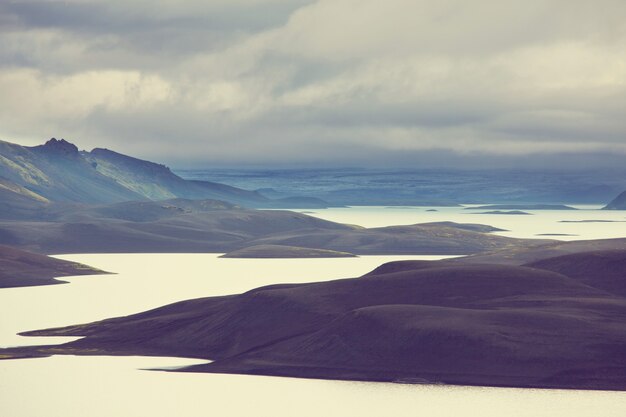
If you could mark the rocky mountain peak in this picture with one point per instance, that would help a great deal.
(60, 147)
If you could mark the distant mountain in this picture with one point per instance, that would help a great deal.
(618, 203)
(157, 182)
(423, 187)
(58, 172)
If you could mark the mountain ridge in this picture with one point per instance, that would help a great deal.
(59, 172)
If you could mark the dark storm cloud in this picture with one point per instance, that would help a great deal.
(332, 81)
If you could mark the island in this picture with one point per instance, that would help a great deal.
(592, 221)
(522, 207)
(513, 212)
(280, 251)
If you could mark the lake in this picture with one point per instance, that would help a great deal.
(119, 386)
(606, 223)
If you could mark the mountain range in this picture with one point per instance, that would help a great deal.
(58, 172)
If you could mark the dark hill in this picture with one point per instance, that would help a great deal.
(483, 324)
(22, 269)
(524, 255)
(618, 203)
(601, 269)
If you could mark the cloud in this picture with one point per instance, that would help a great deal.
(352, 82)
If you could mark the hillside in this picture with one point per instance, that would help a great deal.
(22, 269)
(182, 225)
(523, 255)
(56, 171)
(17, 202)
(604, 269)
(157, 182)
(436, 322)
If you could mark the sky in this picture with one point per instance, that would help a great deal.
(330, 82)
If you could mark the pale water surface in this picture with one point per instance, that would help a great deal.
(571, 222)
(116, 386)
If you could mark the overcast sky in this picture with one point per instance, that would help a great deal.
(330, 82)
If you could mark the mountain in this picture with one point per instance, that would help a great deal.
(550, 324)
(618, 203)
(17, 202)
(157, 182)
(19, 268)
(58, 172)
